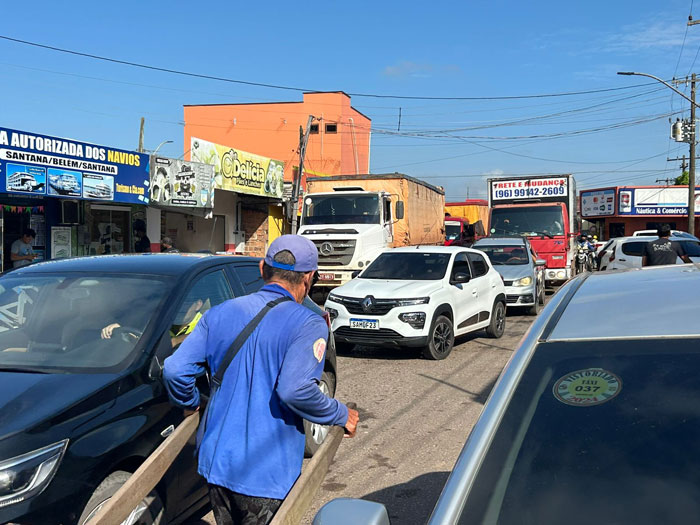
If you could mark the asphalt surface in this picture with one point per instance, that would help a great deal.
(415, 416)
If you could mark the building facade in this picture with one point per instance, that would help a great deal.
(621, 210)
(339, 143)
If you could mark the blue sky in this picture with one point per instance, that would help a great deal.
(435, 49)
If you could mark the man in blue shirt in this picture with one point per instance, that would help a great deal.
(253, 445)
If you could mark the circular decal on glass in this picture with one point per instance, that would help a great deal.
(308, 201)
(588, 387)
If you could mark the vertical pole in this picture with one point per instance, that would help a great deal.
(691, 169)
(294, 204)
(143, 121)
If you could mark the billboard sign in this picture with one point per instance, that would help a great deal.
(655, 201)
(181, 183)
(541, 189)
(41, 165)
(597, 203)
(240, 171)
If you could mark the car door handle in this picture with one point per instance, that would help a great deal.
(475, 293)
(622, 260)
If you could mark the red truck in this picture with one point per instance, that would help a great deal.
(543, 209)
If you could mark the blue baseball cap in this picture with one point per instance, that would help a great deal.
(303, 249)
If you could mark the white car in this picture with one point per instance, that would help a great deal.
(419, 297)
(626, 252)
(674, 233)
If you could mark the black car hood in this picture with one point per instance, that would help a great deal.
(30, 399)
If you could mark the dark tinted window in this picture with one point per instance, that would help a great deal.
(635, 248)
(249, 275)
(461, 265)
(418, 265)
(691, 248)
(479, 265)
(632, 456)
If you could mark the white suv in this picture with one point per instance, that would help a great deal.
(422, 296)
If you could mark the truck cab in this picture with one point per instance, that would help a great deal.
(350, 227)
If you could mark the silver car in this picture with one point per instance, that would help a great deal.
(522, 274)
(595, 415)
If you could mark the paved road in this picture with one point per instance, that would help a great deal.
(415, 417)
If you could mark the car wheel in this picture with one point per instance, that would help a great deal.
(440, 340)
(498, 321)
(535, 308)
(315, 433)
(149, 512)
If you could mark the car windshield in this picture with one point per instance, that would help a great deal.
(530, 220)
(607, 429)
(54, 323)
(341, 209)
(418, 266)
(505, 255)
(452, 231)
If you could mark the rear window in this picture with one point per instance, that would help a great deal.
(692, 248)
(635, 248)
(606, 429)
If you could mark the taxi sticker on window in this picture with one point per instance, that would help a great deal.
(587, 387)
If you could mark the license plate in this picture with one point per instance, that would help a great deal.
(365, 324)
(326, 276)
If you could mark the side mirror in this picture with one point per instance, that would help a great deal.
(155, 371)
(460, 277)
(540, 262)
(355, 274)
(346, 511)
(399, 210)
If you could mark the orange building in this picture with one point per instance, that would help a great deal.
(339, 144)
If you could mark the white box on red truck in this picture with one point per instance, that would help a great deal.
(541, 208)
(353, 218)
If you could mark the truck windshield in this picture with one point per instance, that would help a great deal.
(342, 209)
(452, 231)
(418, 266)
(530, 220)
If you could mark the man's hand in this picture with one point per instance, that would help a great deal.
(351, 423)
(107, 330)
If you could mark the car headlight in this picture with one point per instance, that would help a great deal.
(415, 319)
(412, 302)
(525, 281)
(332, 312)
(27, 475)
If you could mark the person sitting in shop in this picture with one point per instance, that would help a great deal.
(21, 252)
(166, 246)
(143, 243)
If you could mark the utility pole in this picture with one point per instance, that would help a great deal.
(294, 203)
(143, 122)
(691, 168)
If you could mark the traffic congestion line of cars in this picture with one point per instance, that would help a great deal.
(584, 422)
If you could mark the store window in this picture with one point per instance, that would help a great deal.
(109, 230)
(13, 221)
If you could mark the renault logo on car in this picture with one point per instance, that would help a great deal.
(368, 303)
(326, 248)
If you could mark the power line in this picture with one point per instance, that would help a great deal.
(291, 88)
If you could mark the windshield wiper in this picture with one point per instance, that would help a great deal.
(546, 234)
(23, 369)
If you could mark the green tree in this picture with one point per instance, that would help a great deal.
(682, 180)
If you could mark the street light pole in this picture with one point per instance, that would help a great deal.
(691, 169)
(161, 144)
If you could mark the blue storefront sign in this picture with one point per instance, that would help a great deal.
(39, 165)
(654, 201)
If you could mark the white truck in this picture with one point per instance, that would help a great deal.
(353, 218)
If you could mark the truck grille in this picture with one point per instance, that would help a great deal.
(354, 305)
(335, 252)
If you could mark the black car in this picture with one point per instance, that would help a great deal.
(82, 404)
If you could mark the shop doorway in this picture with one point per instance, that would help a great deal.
(109, 229)
(13, 222)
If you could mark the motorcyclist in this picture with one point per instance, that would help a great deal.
(585, 245)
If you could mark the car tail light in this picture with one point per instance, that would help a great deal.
(612, 255)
